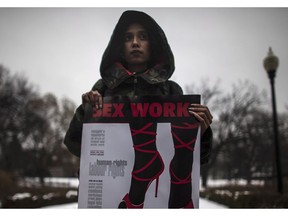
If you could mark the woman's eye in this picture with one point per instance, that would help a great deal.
(143, 36)
(127, 37)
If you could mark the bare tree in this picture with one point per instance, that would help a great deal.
(210, 96)
(242, 131)
(32, 127)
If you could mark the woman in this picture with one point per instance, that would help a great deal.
(138, 61)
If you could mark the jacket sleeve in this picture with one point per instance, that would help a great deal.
(206, 146)
(207, 137)
(73, 136)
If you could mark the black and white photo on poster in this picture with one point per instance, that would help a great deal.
(107, 153)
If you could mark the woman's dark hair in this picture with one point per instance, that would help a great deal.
(160, 50)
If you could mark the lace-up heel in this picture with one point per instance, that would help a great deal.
(180, 169)
(145, 150)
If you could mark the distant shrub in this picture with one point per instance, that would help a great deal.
(246, 197)
(6, 183)
(37, 197)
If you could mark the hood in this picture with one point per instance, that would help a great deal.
(161, 65)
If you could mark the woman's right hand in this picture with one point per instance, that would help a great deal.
(94, 98)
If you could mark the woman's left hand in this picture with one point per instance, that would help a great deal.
(202, 114)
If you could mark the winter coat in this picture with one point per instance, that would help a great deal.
(117, 80)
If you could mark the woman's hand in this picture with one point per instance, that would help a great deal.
(202, 114)
(94, 98)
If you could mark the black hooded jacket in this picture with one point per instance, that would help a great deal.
(117, 80)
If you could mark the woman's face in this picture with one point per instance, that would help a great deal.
(136, 46)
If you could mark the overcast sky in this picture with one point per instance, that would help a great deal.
(60, 49)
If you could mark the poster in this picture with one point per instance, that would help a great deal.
(107, 153)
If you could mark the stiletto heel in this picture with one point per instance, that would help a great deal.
(156, 187)
(151, 179)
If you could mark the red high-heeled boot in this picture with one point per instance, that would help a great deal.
(184, 137)
(144, 146)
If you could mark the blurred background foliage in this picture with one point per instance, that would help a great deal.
(32, 129)
(243, 144)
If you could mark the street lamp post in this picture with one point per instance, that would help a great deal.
(271, 63)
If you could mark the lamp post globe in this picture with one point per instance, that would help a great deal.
(271, 63)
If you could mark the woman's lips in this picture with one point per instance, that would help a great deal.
(136, 52)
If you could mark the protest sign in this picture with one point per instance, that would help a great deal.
(107, 154)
